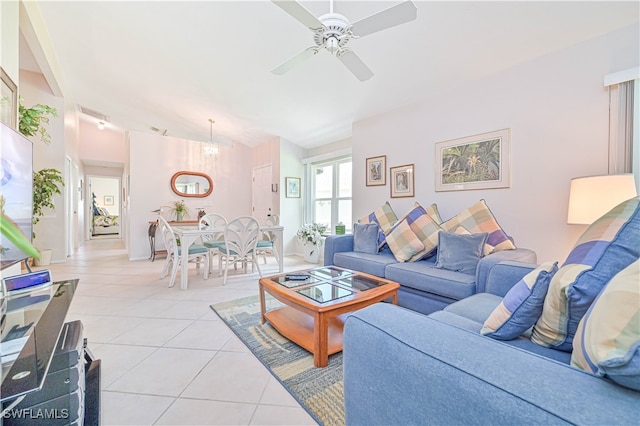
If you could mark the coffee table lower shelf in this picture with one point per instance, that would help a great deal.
(299, 328)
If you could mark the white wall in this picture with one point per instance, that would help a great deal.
(153, 161)
(291, 209)
(101, 145)
(557, 110)
(9, 42)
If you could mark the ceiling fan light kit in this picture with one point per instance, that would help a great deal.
(333, 31)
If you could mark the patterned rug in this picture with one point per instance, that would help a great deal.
(318, 390)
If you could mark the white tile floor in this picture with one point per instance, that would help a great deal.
(166, 356)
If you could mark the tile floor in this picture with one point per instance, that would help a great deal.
(167, 359)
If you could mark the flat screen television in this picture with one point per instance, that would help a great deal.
(16, 189)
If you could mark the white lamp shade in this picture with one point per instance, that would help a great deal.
(593, 196)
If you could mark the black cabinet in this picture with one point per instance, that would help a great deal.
(51, 384)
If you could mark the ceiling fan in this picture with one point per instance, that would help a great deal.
(333, 32)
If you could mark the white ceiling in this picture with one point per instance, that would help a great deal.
(174, 65)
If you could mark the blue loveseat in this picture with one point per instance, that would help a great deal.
(434, 370)
(403, 367)
(423, 288)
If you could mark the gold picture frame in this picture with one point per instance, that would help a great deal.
(376, 168)
(474, 162)
(402, 181)
(8, 100)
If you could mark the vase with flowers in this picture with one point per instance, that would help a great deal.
(310, 235)
(180, 209)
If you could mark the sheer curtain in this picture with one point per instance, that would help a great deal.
(621, 127)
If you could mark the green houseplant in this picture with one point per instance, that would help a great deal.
(32, 120)
(310, 235)
(46, 182)
(180, 209)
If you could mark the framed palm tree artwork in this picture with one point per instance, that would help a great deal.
(474, 162)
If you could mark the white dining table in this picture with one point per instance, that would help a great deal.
(189, 236)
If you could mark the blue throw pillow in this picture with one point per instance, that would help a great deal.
(365, 237)
(460, 253)
(521, 306)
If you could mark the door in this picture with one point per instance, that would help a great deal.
(70, 209)
(261, 193)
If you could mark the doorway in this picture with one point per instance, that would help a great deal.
(104, 207)
(261, 193)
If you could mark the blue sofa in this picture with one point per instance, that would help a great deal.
(438, 369)
(423, 288)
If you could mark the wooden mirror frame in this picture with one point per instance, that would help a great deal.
(182, 194)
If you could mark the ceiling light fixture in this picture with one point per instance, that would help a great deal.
(211, 148)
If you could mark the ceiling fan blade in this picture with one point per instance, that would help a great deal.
(300, 13)
(355, 64)
(387, 18)
(298, 59)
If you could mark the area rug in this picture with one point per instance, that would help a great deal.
(318, 390)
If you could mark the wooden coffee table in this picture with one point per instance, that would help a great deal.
(314, 313)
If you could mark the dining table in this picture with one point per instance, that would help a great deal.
(188, 236)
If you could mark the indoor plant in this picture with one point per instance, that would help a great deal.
(180, 209)
(46, 182)
(310, 234)
(32, 120)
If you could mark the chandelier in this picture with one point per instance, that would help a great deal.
(211, 148)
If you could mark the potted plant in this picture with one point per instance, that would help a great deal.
(180, 209)
(46, 182)
(310, 235)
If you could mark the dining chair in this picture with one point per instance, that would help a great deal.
(197, 253)
(240, 241)
(266, 245)
(214, 240)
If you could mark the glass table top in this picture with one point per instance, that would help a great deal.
(327, 283)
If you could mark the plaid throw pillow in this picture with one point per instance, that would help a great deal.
(403, 242)
(385, 217)
(478, 218)
(608, 246)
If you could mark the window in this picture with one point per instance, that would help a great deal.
(331, 193)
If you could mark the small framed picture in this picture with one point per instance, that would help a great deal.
(402, 180)
(377, 171)
(293, 187)
(108, 200)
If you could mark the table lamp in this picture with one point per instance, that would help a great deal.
(592, 196)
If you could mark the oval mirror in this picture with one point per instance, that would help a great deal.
(191, 184)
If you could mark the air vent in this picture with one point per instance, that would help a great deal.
(163, 132)
(100, 116)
